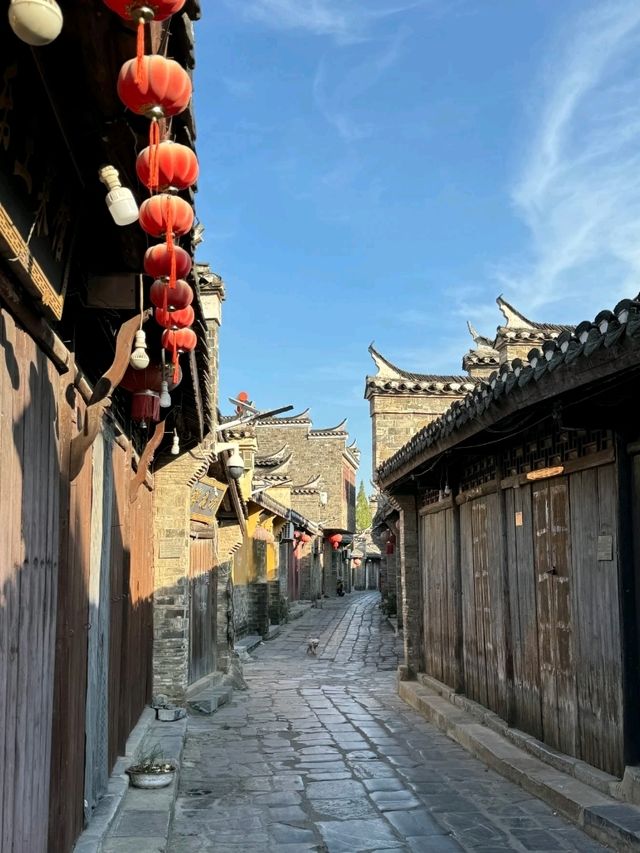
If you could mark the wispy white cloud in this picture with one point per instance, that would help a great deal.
(345, 21)
(238, 88)
(335, 100)
(579, 191)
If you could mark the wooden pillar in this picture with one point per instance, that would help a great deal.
(409, 553)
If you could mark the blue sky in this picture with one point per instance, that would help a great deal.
(381, 170)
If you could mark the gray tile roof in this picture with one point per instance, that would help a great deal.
(619, 328)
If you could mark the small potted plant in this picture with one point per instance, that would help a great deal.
(151, 769)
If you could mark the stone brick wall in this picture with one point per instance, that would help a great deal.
(395, 419)
(172, 526)
(241, 603)
(314, 455)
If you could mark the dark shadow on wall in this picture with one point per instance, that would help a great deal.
(76, 596)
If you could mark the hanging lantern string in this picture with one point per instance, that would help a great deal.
(154, 156)
(170, 243)
(139, 74)
(175, 359)
(141, 282)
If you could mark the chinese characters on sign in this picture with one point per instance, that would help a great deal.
(206, 497)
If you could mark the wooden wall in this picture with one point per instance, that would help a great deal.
(540, 605)
(440, 546)
(76, 598)
(29, 547)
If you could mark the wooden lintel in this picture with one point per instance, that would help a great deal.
(35, 325)
(145, 461)
(101, 395)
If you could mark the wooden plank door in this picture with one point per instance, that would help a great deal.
(202, 657)
(525, 707)
(552, 555)
(598, 630)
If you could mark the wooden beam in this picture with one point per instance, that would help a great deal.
(35, 325)
(101, 395)
(145, 461)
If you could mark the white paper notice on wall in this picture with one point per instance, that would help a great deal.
(605, 548)
(518, 519)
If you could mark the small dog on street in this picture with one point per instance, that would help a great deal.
(312, 646)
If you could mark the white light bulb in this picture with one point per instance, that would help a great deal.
(35, 22)
(122, 206)
(175, 447)
(165, 397)
(139, 359)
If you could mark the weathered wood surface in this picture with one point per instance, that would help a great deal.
(597, 632)
(101, 397)
(66, 812)
(203, 587)
(552, 556)
(29, 502)
(119, 575)
(441, 590)
(145, 461)
(525, 711)
(96, 721)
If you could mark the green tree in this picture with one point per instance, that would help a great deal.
(363, 511)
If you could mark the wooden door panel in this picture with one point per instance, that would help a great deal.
(202, 609)
(598, 659)
(522, 583)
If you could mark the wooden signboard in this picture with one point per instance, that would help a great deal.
(206, 497)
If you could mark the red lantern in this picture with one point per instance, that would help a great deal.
(141, 13)
(390, 547)
(146, 385)
(335, 540)
(169, 298)
(357, 561)
(154, 10)
(158, 261)
(166, 215)
(176, 341)
(175, 319)
(305, 538)
(163, 90)
(175, 166)
(169, 215)
(155, 87)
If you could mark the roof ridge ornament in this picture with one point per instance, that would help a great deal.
(479, 340)
(515, 320)
(385, 368)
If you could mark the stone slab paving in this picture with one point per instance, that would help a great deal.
(321, 755)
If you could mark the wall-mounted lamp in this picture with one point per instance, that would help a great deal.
(235, 462)
(324, 497)
(120, 201)
(175, 447)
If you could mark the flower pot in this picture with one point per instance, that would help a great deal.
(142, 779)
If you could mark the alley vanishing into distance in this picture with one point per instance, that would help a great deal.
(320, 754)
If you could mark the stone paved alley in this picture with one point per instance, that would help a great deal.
(321, 755)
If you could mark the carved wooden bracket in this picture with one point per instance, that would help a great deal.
(145, 461)
(101, 397)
